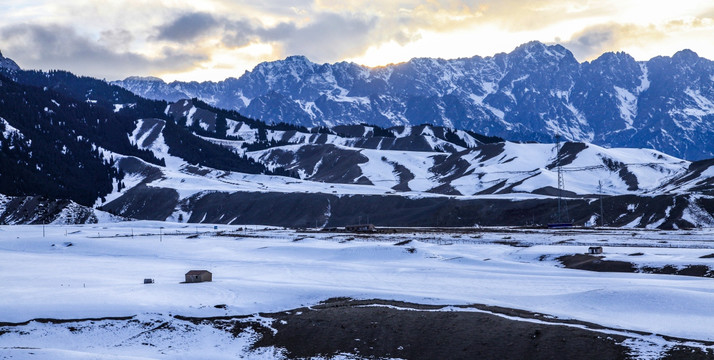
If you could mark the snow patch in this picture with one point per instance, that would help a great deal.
(189, 116)
(651, 348)
(158, 147)
(694, 214)
(578, 116)
(407, 132)
(246, 101)
(498, 113)
(644, 79)
(634, 223)
(627, 106)
(310, 108)
(704, 106)
(10, 130)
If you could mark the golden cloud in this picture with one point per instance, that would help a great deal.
(217, 32)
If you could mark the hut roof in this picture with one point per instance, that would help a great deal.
(197, 272)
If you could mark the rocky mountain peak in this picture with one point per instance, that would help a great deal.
(686, 56)
(145, 78)
(6, 63)
(298, 63)
(538, 50)
(614, 58)
(300, 59)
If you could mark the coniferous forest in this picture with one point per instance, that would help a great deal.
(56, 126)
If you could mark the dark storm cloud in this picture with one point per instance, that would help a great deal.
(188, 27)
(116, 39)
(592, 41)
(595, 40)
(329, 37)
(60, 47)
(240, 33)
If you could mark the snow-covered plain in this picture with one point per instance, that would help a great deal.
(96, 271)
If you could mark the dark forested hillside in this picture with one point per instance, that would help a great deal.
(46, 148)
(55, 125)
(52, 143)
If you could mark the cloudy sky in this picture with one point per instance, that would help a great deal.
(214, 39)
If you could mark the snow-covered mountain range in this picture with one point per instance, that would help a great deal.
(529, 94)
(68, 137)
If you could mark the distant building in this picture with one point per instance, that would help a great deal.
(595, 250)
(196, 276)
(560, 226)
(361, 228)
(148, 281)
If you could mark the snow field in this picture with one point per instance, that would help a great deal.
(101, 274)
(129, 340)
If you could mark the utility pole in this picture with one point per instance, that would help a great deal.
(560, 174)
(561, 182)
(602, 213)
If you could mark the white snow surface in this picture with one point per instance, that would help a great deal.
(237, 128)
(9, 129)
(101, 275)
(158, 147)
(628, 106)
(525, 164)
(703, 105)
(644, 78)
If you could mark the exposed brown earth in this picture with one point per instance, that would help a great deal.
(382, 329)
(596, 263)
(377, 329)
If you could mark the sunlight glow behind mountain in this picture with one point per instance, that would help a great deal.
(215, 39)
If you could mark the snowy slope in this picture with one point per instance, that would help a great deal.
(513, 167)
(337, 171)
(531, 166)
(419, 153)
(101, 274)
